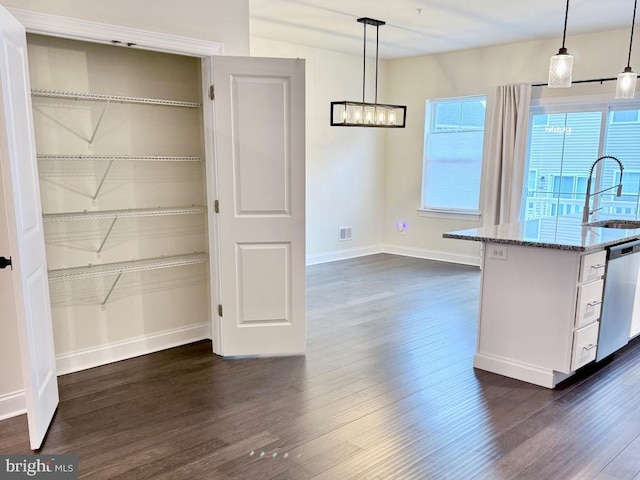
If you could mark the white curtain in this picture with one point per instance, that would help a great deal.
(505, 153)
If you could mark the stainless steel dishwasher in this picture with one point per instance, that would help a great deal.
(623, 262)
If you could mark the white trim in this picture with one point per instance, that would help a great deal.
(316, 258)
(472, 260)
(519, 371)
(134, 347)
(77, 29)
(471, 216)
(12, 404)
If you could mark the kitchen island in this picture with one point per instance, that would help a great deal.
(541, 295)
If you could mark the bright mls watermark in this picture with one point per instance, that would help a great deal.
(51, 467)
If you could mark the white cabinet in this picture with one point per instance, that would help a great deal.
(588, 308)
(539, 312)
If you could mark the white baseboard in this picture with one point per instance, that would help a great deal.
(316, 258)
(116, 351)
(433, 255)
(519, 371)
(12, 404)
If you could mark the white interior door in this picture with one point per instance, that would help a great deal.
(26, 239)
(260, 159)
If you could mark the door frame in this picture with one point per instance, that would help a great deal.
(97, 32)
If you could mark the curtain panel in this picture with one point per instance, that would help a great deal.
(504, 153)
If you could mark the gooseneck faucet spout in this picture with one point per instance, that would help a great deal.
(585, 211)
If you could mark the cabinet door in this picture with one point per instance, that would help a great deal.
(260, 160)
(26, 238)
(589, 303)
(585, 343)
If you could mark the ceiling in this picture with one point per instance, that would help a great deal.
(420, 27)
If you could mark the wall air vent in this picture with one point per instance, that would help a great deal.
(345, 233)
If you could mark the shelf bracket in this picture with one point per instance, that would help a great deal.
(102, 306)
(95, 130)
(104, 177)
(106, 236)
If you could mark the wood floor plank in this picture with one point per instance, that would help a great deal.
(387, 390)
(625, 465)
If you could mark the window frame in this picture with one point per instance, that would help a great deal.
(448, 212)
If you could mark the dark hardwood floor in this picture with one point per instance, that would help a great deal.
(386, 391)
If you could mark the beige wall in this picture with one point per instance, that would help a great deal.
(412, 81)
(344, 165)
(225, 21)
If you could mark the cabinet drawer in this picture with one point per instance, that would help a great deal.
(589, 303)
(585, 343)
(592, 266)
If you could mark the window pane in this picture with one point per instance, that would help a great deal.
(622, 140)
(453, 170)
(447, 116)
(473, 115)
(561, 154)
(624, 116)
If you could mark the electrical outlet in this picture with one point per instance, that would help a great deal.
(498, 252)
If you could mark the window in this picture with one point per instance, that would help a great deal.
(454, 134)
(561, 153)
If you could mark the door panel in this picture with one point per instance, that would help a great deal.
(263, 296)
(260, 158)
(263, 154)
(26, 236)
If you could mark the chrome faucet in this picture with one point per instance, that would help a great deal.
(585, 212)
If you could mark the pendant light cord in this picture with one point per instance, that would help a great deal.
(566, 15)
(377, 30)
(633, 21)
(364, 62)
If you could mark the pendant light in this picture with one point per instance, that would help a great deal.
(626, 86)
(561, 65)
(362, 114)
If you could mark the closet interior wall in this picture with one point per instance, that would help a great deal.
(144, 165)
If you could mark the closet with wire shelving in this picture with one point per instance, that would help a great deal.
(119, 138)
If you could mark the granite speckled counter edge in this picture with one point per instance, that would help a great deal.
(561, 233)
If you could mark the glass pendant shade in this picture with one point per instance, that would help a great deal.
(626, 86)
(561, 70)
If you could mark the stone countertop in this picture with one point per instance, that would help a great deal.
(562, 233)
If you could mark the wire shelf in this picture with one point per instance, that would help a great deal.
(131, 212)
(98, 97)
(144, 158)
(117, 268)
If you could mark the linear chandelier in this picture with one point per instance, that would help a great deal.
(362, 114)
